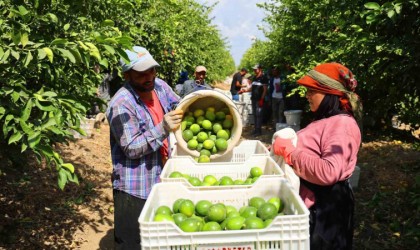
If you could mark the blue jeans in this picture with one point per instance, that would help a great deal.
(235, 97)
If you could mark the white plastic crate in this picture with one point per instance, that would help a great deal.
(186, 165)
(240, 153)
(290, 231)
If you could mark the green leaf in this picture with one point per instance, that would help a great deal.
(22, 10)
(16, 38)
(15, 137)
(1, 53)
(76, 55)
(2, 112)
(110, 49)
(41, 54)
(104, 62)
(49, 53)
(28, 59)
(52, 17)
(15, 96)
(46, 150)
(372, 6)
(24, 39)
(25, 127)
(5, 56)
(84, 47)
(66, 26)
(15, 54)
(69, 166)
(107, 22)
(49, 94)
(33, 139)
(59, 41)
(49, 123)
(391, 14)
(67, 54)
(62, 178)
(27, 110)
(44, 108)
(23, 147)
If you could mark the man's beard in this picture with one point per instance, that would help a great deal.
(142, 88)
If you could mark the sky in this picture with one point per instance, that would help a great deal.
(237, 21)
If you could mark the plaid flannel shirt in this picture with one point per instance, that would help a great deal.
(135, 140)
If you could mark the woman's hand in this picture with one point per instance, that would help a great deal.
(284, 147)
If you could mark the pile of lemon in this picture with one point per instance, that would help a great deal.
(211, 180)
(207, 131)
(206, 216)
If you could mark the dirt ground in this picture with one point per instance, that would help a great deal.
(35, 214)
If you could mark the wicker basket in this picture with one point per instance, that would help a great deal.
(203, 99)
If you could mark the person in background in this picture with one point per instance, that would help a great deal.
(277, 100)
(326, 154)
(198, 83)
(140, 118)
(258, 92)
(237, 84)
(180, 83)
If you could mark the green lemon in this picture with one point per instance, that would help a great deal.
(187, 207)
(210, 179)
(203, 159)
(230, 208)
(217, 127)
(248, 181)
(225, 110)
(175, 174)
(187, 135)
(235, 223)
(192, 144)
(267, 211)
(179, 217)
(190, 225)
(249, 212)
(199, 147)
(220, 115)
(205, 152)
(256, 172)
(210, 116)
(222, 134)
(208, 144)
(221, 144)
(226, 181)
(216, 213)
(195, 128)
(276, 202)
(202, 136)
(238, 182)
(256, 202)
(189, 119)
(198, 113)
(202, 207)
(213, 138)
(183, 125)
(233, 214)
(227, 124)
(267, 222)
(254, 223)
(163, 217)
(206, 124)
(211, 109)
(175, 206)
(212, 226)
(163, 210)
(200, 120)
(194, 181)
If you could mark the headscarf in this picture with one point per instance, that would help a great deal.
(335, 79)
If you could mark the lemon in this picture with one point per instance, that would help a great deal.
(183, 125)
(192, 144)
(194, 181)
(235, 223)
(267, 222)
(187, 207)
(276, 202)
(210, 116)
(178, 218)
(226, 181)
(189, 119)
(200, 120)
(256, 202)
(203, 159)
(213, 138)
(221, 144)
(198, 112)
(175, 174)
(202, 136)
(267, 211)
(187, 135)
(212, 226)
(225, 110)
(175, 206)
(238, 182)
(230, 208)
(220, 115)
(222, 134)
(210, 179)
(206, 124)
(211, 109)
(227, 124)
(254, 223)
(199, 147)
(163, 210)
(190, 225)
(216, 213)
(202, 207)
(256, 172)
(208, 144)
(217, 127)
(205, 152)
(195, 128)
(249, 212)
(163, 217)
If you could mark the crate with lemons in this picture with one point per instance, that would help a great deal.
(218, 192)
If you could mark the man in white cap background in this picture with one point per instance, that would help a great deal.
(140, 116)
(198, 83)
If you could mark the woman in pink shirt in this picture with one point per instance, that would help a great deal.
(326, 154)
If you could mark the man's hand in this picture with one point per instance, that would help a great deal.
(172, 120)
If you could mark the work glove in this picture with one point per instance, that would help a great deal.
(172, 120)
(284, 147)
(261, 103)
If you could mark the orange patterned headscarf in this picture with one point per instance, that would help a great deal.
(335, 79)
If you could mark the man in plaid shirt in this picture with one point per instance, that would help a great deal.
(140, 116)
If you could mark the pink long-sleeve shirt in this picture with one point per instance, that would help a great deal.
(326, 153)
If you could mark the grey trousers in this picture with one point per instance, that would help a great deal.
(278, 111)
(257, 111)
